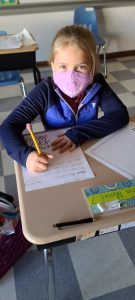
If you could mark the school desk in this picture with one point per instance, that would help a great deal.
(42, 208)
(20, 59)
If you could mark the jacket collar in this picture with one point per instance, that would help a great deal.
(91, 91)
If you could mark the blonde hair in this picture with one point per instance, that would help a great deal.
(81, 37)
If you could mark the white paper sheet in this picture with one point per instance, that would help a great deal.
(10, 41)
(117, 151)
(24, 38)
(27, 39)
(63, 168)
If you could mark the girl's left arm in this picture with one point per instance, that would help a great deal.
(115, 117)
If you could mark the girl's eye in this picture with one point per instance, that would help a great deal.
(82, 67)
(62, 67)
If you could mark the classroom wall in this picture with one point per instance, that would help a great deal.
(116, 26)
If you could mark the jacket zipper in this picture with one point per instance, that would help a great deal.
(76, 115)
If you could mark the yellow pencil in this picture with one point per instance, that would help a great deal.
(29, 128)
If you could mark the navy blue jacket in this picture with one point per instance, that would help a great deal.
(46, 100)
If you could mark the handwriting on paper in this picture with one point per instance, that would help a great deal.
(63, 168)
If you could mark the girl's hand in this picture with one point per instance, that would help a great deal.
(63, 143)
(37, 163)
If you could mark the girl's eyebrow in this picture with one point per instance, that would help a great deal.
(82, 63)
(61, 63)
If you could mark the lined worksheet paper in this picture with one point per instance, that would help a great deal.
(117, 151)
(63, 168)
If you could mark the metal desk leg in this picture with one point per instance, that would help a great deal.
(48, 253)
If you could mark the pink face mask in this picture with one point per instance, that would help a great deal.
(72, 83)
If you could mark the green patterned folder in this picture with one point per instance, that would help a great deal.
(110, 196)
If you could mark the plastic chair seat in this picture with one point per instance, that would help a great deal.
(9, 78)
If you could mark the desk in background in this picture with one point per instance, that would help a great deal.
(20, 59)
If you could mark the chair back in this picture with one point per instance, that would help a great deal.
(3, 32)
(86, 18)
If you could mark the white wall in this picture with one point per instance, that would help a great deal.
(117, 26)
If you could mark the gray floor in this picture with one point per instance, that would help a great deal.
(100, 268)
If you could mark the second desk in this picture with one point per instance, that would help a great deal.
(20, 59)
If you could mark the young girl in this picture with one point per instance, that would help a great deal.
(70, 99)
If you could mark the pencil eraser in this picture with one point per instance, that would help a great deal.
(29, 127)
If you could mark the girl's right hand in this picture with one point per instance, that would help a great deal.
(37, 163)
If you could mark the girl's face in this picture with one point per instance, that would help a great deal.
(70, 58)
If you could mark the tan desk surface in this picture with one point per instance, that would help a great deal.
(40, 209)
(30, 48)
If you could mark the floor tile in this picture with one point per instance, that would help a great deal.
(127, 98)
(27, 77)
(7, 286)
(133, 70)
(110, 78)
(8, 104)
(115, 66)
(125, 58)
(3, 116)
(29, 86)
(10, 187)
(123, 75)
(129, 84)
(32, 287)
(130, 64)
(102, 265)
(128, 239)
(10, 91)
(123, 294)
(8, 163)
(131, 111)
(117, 87)
(2, 184)
(65, 275)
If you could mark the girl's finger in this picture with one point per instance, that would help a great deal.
(56, 141)
(44, 158)
(59, 145)
(72, 148)
(42, 167)
(64, 148)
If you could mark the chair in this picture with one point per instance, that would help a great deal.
(12, 77)
(87, 18)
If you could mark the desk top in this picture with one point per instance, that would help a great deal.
(40, 209)
(30, 48)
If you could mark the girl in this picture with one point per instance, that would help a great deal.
(70, 98)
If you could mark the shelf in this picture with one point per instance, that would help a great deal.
(54, 6)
